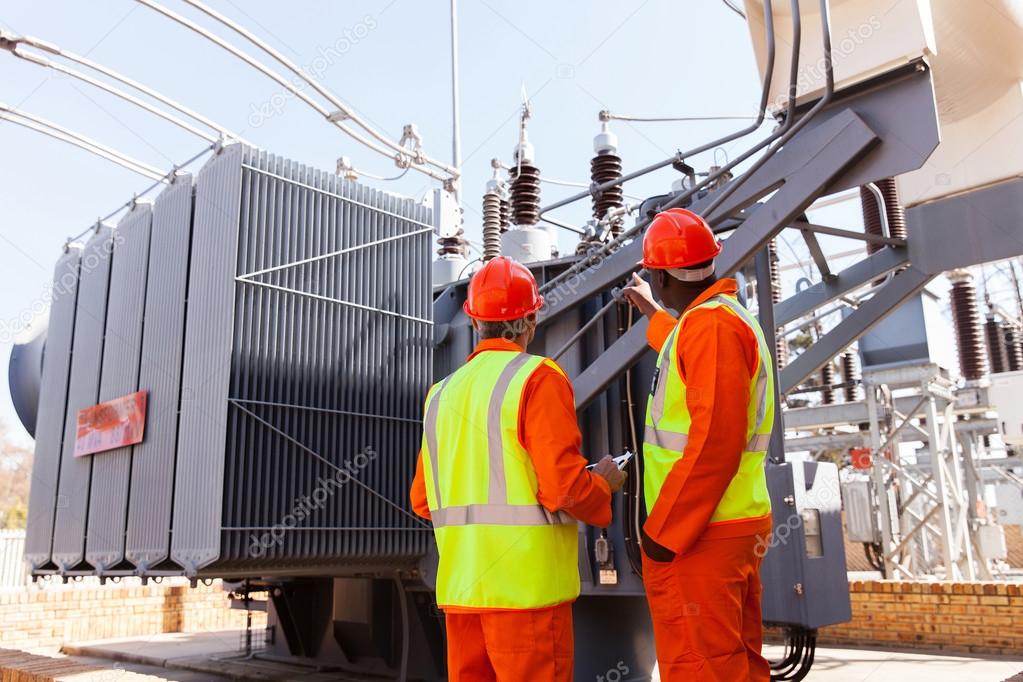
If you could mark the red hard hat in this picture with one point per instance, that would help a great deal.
(503, 289)
(678, 238)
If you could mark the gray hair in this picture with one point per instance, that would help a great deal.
(508, 330)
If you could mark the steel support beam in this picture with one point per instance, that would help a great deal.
(870, 312)
(844, 140)
(855, 276)
(849, 234)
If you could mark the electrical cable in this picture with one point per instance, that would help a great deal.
(734, 8)
(39, 61)
(11, 44)
(371, 176)
(344, 111)
(669, 119)
(633, 548)
(680, 156)
(713, 177)
(403, 159)
(58, 132)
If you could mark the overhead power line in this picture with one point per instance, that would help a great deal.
(58, 132)
(403, 156)
(15, 45)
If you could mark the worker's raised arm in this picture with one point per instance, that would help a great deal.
(718, 361)
(549, 431)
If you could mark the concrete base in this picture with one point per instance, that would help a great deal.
(213, 656)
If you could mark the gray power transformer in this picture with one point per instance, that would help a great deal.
(279, 319)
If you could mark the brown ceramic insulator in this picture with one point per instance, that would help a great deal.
(968, 330)
(525, 194)
(851, 376)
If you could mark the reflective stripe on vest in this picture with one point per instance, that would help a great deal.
(666, 432)
(499, 547)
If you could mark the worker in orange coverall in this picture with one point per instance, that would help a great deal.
(708, 425)
(501, 476)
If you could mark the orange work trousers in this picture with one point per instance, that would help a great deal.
(705, 605)
(510, 646)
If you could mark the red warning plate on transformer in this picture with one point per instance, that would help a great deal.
(111, 425)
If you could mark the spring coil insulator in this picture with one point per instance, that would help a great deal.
(505, 214)
(606, 167)
(966, 321)
(893, 207)
(996, 350)
(1013, 347)
(852, 375)
(781, 344)
(894, 211)
(491, 226)
(525, 194)
(827, 381)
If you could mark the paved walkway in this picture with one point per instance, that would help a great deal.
(869, 665)
(206, 652)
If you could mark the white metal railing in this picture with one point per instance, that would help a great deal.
(12, 559)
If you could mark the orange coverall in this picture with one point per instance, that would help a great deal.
(518, 645)
(705, 603)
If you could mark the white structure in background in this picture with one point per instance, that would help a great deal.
(453, 263)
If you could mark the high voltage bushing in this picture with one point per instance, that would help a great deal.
(1013, 347)
(966, 321)
(827, 383)
(995, 345)
(491, 225)
(505, 214)
(525, 194)
(852, 376)
(606, 166)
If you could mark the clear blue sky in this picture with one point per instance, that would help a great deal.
(653, 57)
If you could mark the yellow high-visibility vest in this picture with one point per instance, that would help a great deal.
(499, 547)
(668, 420)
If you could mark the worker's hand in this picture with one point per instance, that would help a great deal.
(654, 551)
(608, 470)
(638, 294)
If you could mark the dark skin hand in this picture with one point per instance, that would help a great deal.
(655, 551)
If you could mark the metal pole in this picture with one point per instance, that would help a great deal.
(765, 311)
(946, 490)
(456, 135)
(880, 488)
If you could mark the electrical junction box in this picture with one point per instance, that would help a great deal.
(1008, 504)
(992, 541)
(1004, 395)
(803, 572)
(860, 517)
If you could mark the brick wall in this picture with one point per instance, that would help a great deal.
(980, 617)
(33, 618)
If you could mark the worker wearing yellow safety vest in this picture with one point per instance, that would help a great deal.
(708, 425)
(501, 476)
